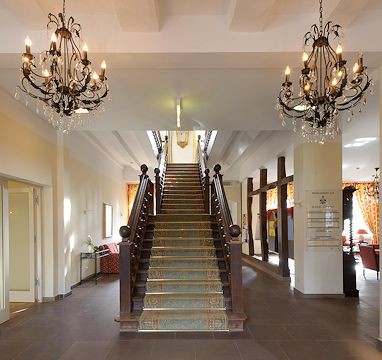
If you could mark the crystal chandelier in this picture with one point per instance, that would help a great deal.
(372, 190)
(61, 79)
(326, 85)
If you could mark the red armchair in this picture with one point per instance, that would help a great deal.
(370, 260)
(110, 264)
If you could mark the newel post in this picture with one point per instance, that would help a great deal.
(125, 248)
(144, 170)
(236, 271)
(158, 192)
(207, 190)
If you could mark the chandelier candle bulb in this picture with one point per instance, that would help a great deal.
(339, 53)
(53, 40)
(287, 74)
(85, 50)
(103, 70)
(305, 58)
(28, 45)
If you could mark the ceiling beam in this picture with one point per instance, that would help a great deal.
(250, 15)
(28, 12)
(347, 11)
(138, 15)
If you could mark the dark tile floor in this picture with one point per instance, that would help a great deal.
(279, 326)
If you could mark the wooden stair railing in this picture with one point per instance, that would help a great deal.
(229, 234)
(132, 241)
(204, 175)
(160, 174)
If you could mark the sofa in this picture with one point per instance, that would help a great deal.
(110, 263)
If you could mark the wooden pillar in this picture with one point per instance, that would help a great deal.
(282, 217)
(251, 246)
(125, 271)
(263, 215)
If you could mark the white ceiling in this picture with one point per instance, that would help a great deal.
(225, 58)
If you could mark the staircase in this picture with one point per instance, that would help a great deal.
(182, 281)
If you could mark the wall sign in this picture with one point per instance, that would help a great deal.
(323, 218)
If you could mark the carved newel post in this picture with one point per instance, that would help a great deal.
(144, 170)
(236, 270)
(125, 248)
(158, 191)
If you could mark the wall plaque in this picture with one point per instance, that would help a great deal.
(323, 218)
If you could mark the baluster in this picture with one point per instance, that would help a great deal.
(125, 266)
(158, 192)
(236, 270)
(206, 190)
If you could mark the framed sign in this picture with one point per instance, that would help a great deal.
(107, 220)
(323, 218)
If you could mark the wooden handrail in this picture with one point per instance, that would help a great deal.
(132, 241)
(204, 175)
(229, 235)
(160, 174)
(207, 142)
(158, 142)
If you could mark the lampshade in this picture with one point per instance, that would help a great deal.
(362, 232)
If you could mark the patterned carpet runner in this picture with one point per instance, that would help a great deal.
(184, 291)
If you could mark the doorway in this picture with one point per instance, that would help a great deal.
(20, 246)
(21, 243)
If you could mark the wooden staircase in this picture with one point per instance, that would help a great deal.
(181, 277)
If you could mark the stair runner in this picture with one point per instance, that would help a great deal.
(184, 291)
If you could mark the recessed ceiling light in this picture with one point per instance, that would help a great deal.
(348, 145)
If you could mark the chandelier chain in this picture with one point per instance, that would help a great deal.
(321, 17)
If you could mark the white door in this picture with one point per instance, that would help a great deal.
(21, 245)
(4, 241)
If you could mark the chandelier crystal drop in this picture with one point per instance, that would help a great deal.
(372, 189)
(326, 85)
(61, 79)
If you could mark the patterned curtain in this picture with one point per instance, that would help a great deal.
(369, 208)
(131, 192)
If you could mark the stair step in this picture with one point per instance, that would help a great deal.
(184, 273)
(184, 301)
(176, 251)
(183, 320)
(184, 286)
(182, 225)
(182, 233)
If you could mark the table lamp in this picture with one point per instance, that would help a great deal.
(361, 233)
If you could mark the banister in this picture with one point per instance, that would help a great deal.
(132, 240)
(160, 174)
(229, 234)
(204, 175)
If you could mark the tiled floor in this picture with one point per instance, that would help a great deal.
(280, 326)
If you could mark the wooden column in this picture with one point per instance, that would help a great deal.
(125, 272)
(263, 215)
(282, 217)
(236, 270)
(249, 217)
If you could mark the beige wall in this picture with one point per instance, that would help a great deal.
(31, 151)
(85, 192)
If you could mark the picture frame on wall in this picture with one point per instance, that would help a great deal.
(107, 220)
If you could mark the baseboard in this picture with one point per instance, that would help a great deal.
(379, 344)
(300, 294)
(56, 298)
(270, 269)
(89, 277)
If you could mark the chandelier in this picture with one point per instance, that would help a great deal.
(326, 85)
(372, 189)
(61, 79)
